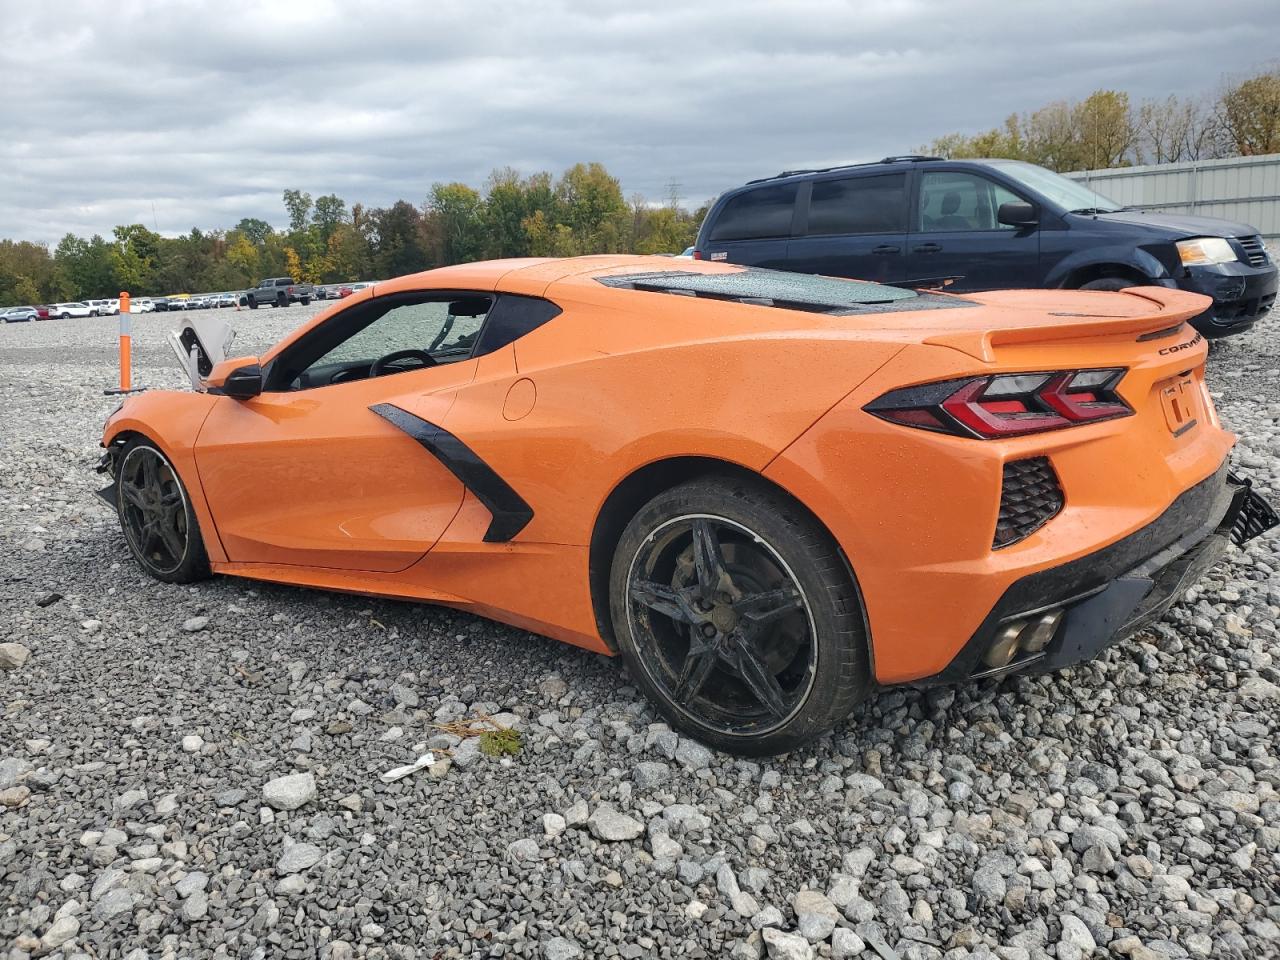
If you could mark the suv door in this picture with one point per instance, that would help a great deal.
(853, 226)
(955, 233)
(752, 228)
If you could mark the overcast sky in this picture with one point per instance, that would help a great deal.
(182, 113)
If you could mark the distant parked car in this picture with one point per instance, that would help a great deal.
(278, 292)
(986, 225)
(161, 304)
(347, 289)
(224, 300)
(99, 308)
(42, 311)
(18, 315)
(64, 311)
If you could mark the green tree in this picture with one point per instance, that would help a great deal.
(134, 255)
(86, 266)
(397, 240)
(330, 211)
(299, 206)
(1250, 114)
(454, 222)
(255, 230)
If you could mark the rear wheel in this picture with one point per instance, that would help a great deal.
(737, 614)
(306, 301)
(156, 515)
(282, 301)
(253, 304)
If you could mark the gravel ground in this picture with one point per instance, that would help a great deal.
(1128, 807)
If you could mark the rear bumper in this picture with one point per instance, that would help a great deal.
(1242, 295)
(1112, 593)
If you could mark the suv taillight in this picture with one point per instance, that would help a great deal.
(1006, 405)
(697, 254)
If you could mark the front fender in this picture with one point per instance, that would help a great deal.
(1137, 259)
(172, 420)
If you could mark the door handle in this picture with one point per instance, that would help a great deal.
(885, 248)
(927, 248)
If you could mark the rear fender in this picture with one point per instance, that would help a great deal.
(172, 420)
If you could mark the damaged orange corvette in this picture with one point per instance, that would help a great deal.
(770, 493)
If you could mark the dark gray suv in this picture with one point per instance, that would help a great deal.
(990, 224)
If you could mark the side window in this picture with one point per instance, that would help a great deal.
(347, 348)
(961, 201)
(511, 318)
(758, 214)
(859, 205)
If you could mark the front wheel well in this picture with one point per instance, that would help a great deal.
(630, 495)
(1078, 277)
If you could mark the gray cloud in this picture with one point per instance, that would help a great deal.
(182, 114)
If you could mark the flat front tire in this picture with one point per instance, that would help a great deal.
(738, 615)
(156, 516)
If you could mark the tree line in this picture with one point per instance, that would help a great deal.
(327, 241)
(1106, 129)
(584, 210)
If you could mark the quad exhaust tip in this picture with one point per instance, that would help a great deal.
(1029, 636)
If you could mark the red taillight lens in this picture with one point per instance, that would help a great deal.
(1006, 405)
(697, 254)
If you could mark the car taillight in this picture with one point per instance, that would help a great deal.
(697, 254)
(1006, 405)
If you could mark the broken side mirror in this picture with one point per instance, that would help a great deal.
(201, 344)
(240, 378)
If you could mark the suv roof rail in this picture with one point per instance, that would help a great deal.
(904, 158)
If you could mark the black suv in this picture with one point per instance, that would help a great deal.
(990, 224)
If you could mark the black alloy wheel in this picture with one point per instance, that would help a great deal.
(156, 516)
(739, 617)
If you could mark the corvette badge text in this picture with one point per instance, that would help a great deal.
(1182, 346)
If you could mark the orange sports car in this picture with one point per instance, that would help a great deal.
(771, 493)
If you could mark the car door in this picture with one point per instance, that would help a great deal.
(955, 233)
(307, 473)
(854, 226)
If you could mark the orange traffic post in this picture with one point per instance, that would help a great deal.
(126, 348)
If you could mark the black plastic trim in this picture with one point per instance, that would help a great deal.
(511, 513)
(1193, 517)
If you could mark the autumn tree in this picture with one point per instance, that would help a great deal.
(1249, 111)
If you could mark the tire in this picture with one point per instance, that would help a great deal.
(1108, 283)
(306, 301)
(253, 304)
(64, 316)
(156, 517)
(713, 683)
(282, 301)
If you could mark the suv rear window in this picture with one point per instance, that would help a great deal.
(859, 205)
(757, 214)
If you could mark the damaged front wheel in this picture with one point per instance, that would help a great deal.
(156, 515)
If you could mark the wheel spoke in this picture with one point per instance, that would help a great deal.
(708, 560)
(759, 679)
(761, 609)
(131, 493)
(150, 472)
(664, 600)
(698, 664)
(169, 537)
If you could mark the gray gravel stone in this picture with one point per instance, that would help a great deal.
(290, 792)
(606, 823)
(786, 946)
(298, 857)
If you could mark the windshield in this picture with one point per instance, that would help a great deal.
(1068, 194)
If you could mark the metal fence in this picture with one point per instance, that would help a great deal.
(1244, 189)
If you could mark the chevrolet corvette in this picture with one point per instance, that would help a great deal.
(771, 494)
